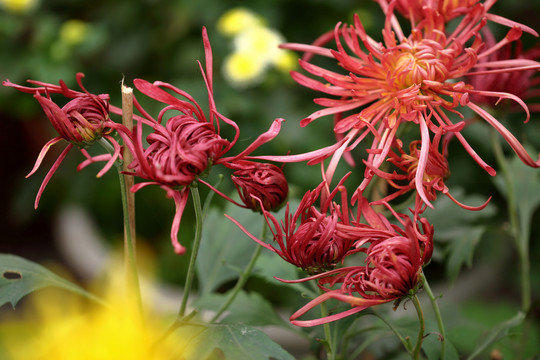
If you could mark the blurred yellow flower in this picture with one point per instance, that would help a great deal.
(60, 326)
(18, 6)
(242, 68)
(286, 60)
(237, 20)
(74, 32)
(256, 48)
(262, 42)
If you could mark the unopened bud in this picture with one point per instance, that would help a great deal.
(262, 181)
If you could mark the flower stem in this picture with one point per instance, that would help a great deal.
(129, 231)
(418, 347)
(195, 251)
(244, 276)
(132, 277)
(327, 332)
(438, 316)
(128, 200)
(407, 344)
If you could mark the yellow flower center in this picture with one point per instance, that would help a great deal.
(411, 64)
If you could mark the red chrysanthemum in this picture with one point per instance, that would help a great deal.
(392, 271)
(407, 79)
(310, 238)
(81, 122)
(184, 146)
(263, 181)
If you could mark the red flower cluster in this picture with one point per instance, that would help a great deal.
(420, 81)
(178, 151)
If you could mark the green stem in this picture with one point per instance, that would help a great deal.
(520, 235)
(196, 244)
(327, 332)
(438, 316)
(418, 347)
(132, 276)
(405, 343)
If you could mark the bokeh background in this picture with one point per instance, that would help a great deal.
(111, 41)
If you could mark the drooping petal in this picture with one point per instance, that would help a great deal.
(507, 135)
(180, 200)
(326, 296)
(270, 134)
(51, 172)
(42, 154)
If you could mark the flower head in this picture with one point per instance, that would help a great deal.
(182, 148)
(81, 122)
(263, 181)
(414, 9)
(522, 84)
(19, 6)
(237, 20)
(309, 238)
(256, 48)
(391, 270)
(416, 79)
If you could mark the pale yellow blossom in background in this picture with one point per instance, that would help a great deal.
(18, 6)
(74, 32)
(262, 42)
(237, 20)
(241, 70)
(255, 48)
(286, 61)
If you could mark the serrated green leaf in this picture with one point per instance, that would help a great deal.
(20, 277)
(225, 249)
(432, 348)
(526, 189)
(247, 308)
(497, 333)
(446, 215)
(270, 266)
(237, 342)
(461, 250)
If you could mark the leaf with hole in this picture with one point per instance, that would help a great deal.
(20, 277)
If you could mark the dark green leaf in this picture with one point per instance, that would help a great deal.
(450, 220)
(497, 333)
(461, 250)
(237, 342)
(526, 189)
(432, 348)
(19, 277)
(270, 266)
(225, 249)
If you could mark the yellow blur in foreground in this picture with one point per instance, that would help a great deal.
(58, 325)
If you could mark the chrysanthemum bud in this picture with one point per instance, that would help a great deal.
(82, 120)
(262, 181)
